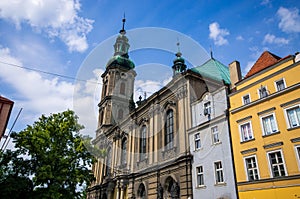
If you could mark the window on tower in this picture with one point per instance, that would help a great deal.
(122, 88)
(120, 114)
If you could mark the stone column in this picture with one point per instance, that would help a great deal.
(118, 190)
(113, 156)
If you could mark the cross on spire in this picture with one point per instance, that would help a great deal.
(178, 54)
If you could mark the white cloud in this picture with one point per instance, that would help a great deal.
(148, 86)
(289, 20)
(240, 38)
(57, 18)
(272, 39)
(44, 95)
(265, 2)
(217, 34)
(248, 67)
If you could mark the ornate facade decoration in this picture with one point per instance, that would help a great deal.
(149, 145)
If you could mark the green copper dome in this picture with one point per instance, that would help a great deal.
(120, 61)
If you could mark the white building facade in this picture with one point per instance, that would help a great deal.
(212, 165)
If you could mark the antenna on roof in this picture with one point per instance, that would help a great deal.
(211, 52)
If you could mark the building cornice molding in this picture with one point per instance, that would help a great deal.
(269, 97)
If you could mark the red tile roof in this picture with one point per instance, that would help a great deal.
(265, 60)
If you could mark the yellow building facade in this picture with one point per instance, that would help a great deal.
(265, 128)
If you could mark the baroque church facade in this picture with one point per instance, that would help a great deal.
(146, 143)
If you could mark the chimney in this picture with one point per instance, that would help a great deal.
(297, 56)
(235, 73)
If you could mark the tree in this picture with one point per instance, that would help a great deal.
(54, 156)
(13, 183)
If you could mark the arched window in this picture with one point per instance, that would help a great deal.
(142, 191)
(122, 88)
(169, 129)
(108, 162)
(124, 151)
(172, 188)
(101, 117)
(143, 142)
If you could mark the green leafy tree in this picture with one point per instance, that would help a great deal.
(53, 154)
(13, 180)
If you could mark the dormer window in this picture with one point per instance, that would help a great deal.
(207, 108)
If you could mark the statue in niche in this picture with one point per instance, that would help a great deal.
(175, 191)
(160, 191)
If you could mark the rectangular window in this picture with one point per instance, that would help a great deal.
(280, 85)
(263, 92)
(215, 134)
(246, 132)
(219, 172)
(252, 169)
(297, 150)
(246, 99)
(200, 176)
(293, 115)
(207, 108)
(277, 164)
(197, 141)
(269, 124)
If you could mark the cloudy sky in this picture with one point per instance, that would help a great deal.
(64, 39)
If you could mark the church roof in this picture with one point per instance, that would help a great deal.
(213, 69)
(265, 60)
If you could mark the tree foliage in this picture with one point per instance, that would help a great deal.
(52, 153)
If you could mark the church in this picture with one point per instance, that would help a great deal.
(147, 146)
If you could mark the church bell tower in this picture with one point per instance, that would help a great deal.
(118, 85)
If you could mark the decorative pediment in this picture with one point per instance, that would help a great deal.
(143, 120)
(169, 103)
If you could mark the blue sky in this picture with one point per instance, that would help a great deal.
(58, 35)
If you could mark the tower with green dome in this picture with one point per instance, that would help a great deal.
(118, 85)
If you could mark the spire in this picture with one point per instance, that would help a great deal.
(179, 65)
(123, 31)
(178, 54)
(121, 46)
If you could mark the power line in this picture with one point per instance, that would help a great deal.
(63, 76)
(49, 73)
(8, 136)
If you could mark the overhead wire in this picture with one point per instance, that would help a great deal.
(56, 74)
(49, 73)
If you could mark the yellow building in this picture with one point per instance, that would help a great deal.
(265, 127)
